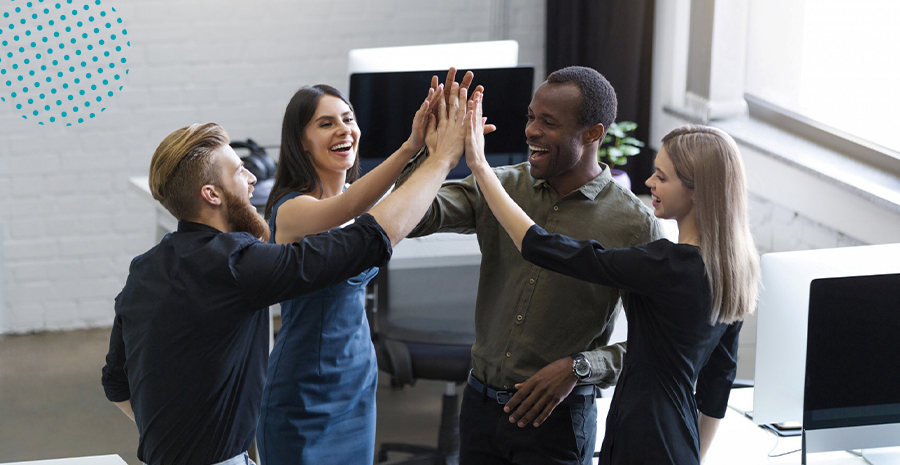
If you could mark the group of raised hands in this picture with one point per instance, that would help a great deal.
(450, 123)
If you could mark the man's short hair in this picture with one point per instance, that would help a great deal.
(598, 98)
(182, 164)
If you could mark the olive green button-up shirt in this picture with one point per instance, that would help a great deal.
(527, 317)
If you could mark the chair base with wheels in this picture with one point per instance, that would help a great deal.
(447, 450)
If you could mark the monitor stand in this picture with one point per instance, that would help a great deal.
(882, 456)
(873, 456)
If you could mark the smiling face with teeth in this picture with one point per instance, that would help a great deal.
(561, 150)
(332, 137)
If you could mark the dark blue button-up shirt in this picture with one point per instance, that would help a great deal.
(189, 344)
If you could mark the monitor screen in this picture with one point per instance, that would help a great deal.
(783, 317)
(853, 341)
(386, 102)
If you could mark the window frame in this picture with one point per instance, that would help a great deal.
(822, 134)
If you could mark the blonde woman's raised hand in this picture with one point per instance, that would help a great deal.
(475, 133)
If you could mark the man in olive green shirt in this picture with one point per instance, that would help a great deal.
(540, 334)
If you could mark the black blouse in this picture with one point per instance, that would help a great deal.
(671, 344)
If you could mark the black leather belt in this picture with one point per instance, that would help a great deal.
(502, 397)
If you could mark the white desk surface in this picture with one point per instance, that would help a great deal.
(739, 441)
(93, 460)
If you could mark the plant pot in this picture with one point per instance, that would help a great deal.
(621, 177)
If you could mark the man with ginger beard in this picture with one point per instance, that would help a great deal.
(189, 343)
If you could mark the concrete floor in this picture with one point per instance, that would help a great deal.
(52, 404)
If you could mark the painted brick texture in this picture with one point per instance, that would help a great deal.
(70, 222)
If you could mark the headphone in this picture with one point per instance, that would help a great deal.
(258, 161)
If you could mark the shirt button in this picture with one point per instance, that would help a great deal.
(531, 281)
(518, 317)
(505, 387)
(555, 208)
(508, 355)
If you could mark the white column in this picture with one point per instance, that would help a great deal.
(716, 59)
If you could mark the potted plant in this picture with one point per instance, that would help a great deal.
(615, 148)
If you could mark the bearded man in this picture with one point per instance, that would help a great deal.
(189, 344)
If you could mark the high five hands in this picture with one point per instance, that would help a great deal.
(424, 114)
(465, 84)
(475, 130)
(446, 129)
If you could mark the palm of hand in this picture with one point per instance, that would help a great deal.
(475, 132)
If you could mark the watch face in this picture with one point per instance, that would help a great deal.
(582, 367)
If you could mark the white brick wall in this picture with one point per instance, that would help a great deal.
(70, 223)
(778, 229)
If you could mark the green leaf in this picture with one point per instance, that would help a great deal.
(614, 152)
(601, 153)
(615, 131)
(632, 141)
(629, 150)
(627, 126)
(621, 161)
(606, 139)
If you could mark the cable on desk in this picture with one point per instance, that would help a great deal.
(777, 440)
(782, 454)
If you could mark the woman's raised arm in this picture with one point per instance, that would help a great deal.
(306, 215)
(513, 219)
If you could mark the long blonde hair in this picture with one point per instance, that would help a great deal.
(708, 161)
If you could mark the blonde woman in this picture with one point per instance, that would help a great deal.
(684, 301)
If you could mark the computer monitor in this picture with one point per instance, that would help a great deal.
(783, 314)
(852, 386)
(385, 103)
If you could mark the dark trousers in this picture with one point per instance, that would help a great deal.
(487, 437)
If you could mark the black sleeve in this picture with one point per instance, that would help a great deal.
(115, 382)
(716, 377)
(272, 273)
(636, 269)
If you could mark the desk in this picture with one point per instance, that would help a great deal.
(93, 460)
(739, 441)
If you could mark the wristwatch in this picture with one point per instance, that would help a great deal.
(581, 366)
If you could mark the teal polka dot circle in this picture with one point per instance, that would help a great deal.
(71, 47)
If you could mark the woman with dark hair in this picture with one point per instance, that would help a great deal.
(685, 302)
(319, 398)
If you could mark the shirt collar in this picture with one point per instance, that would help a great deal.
(190, 226)
(590, 189)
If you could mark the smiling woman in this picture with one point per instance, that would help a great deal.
(323, 355)
(684, 301)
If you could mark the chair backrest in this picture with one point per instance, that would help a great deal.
(424, 309)
(428, 305)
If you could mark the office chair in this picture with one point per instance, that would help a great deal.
(423, 328)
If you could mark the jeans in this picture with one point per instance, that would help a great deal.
(567, 436)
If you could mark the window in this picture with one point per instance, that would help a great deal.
(834, 62)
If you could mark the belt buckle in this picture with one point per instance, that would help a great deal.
(506, 394)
